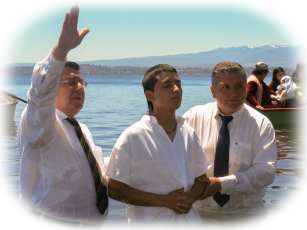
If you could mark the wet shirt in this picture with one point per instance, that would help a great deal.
(55, 176)
(146, 159)
(252, 155)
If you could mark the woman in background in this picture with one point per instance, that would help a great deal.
(277, 75)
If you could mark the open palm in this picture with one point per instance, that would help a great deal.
(70, 37)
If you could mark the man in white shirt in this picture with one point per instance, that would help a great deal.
(157, 163)
(251, 146)
(60, 163)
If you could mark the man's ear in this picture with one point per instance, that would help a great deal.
(212, 91)
(149, 95)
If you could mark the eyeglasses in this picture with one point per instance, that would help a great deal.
(74, 81)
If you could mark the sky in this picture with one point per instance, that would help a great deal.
(138, 31)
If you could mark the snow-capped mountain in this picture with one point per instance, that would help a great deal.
(273, 55)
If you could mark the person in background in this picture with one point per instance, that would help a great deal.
(239, 143)
(287, 92)
(277, 75)
(62, 171)
(258, 94)
(157, 166)
(297, 78)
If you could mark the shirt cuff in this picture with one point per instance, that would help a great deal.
(228, 183)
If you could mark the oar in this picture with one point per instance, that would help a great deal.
(14, 96)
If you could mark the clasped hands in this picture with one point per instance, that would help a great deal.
(181, 202)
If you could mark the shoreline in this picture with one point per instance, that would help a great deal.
(101, 70)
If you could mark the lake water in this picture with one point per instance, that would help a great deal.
(115, 102)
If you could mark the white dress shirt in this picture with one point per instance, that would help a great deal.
(55, 176)
(146, 159)
(252, 156)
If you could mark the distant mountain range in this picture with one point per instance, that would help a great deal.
(191, 63)
(273, 55)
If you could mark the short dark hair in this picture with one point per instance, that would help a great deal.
(72, 65)
(227, 67)
(150, 78)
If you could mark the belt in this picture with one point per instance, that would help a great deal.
(73, 224)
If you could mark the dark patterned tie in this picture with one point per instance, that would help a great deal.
(101, 190)
(222, 158)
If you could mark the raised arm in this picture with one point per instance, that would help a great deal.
(70, 37)
(38, 119)
(47, 73)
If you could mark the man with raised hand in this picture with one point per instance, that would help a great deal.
(62, 170)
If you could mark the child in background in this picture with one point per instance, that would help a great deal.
(286, 89)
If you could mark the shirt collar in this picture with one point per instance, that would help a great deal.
(61, 115)
(153, 120)
(236, 115)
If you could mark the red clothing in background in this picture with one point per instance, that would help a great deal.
(251, 91)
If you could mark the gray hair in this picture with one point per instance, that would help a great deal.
(227, 67)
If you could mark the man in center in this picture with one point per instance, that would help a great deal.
(157, 166)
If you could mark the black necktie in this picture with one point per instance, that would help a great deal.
(101, 190)
(222, 158)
